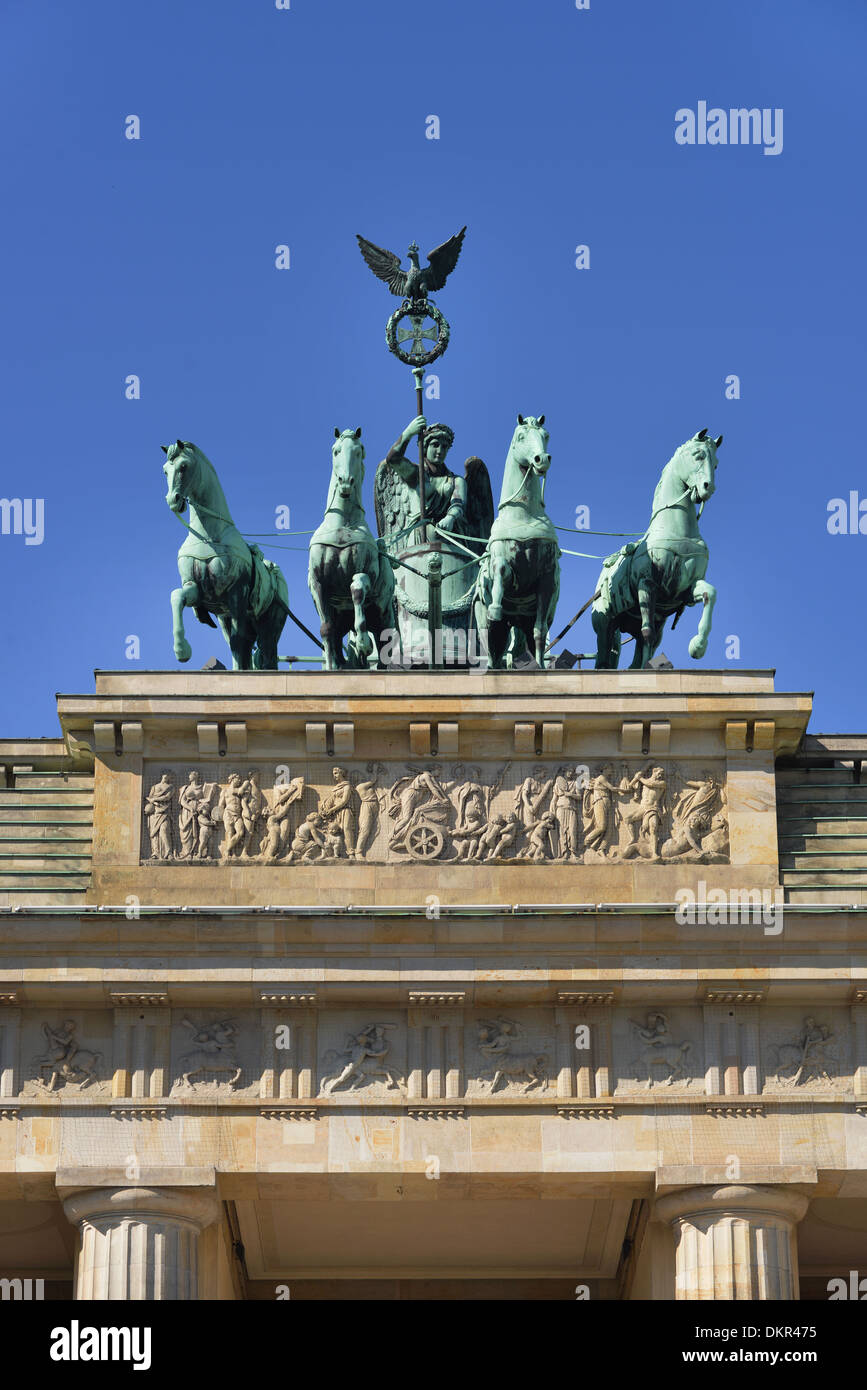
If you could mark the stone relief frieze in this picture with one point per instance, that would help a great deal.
(658, 1055)
(361, 1061)
(424, 1055)
(806, 1057)
(426, 812)
(499, 1043)
(211, 1057)
(64, 1061)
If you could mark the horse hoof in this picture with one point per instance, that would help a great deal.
(495, 614)
(697, 648)
(183, 651)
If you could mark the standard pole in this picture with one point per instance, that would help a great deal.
(418, 373)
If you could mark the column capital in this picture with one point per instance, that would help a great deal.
(199, 1206)
(730, 1199)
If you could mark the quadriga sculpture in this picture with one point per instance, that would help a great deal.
(221, 573)
(519, 578)
(350, 578)
(655, 578)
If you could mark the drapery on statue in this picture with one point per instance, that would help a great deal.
(461, 506)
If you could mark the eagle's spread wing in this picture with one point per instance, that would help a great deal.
(480, 499)
(443, 261)
(384, 264)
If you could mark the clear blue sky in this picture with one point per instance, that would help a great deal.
(261, 127)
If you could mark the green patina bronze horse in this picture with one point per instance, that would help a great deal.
(658, 576)
(350, 579)
(519, 577)
(221, 573)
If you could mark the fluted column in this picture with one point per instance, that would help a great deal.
(139, 1242)
(734, 1242)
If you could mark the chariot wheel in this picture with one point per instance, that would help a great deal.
(424, 842)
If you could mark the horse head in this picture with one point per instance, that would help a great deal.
(530, 445)
(528, 459)
(697, 465)
(347, 468)
(181, 470)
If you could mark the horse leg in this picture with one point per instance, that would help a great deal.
(540, 623)
(385, 633)
(240, 636)
(268, 635)
(326, 618)
(500, 571)
(705, 592)
(188, 596)
(646, 607)
(362, 645)
(607, 641)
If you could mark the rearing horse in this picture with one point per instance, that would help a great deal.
(648, 580)
(519, 577)
(221, 573)
(350, 578)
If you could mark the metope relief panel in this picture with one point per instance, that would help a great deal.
(215, 1054)
(658, 1050)
(422, 811)
(806, 1052)
(362, 1053)
(510, 1054)
(67, 1055)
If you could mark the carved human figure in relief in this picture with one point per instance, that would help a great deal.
(415, 797)
(195, 824)
(309, 843)
(336, 809)
(363, 1057)
(158, 812)
(501, 835)
(278, 824)
(810, 1058)
(65, 1059)
(188, 815)
(368, 812)
(254, 809)
(692, 816)
(566, 807)
(661, 1050)
(214, 1050)
(646, 813)
(231, 807)
(541, 839)
(472, 819)
(529, 799)
(599, 811)
(496, 1039)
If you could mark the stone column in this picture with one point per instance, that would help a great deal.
(139, 1242)
(734, 1242)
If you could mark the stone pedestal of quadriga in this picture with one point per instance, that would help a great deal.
(456, 943)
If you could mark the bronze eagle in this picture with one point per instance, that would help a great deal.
(413, 284)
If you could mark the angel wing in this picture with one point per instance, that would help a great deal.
(390, 501)
(385, 264)
(442, 261)
(480, 499)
